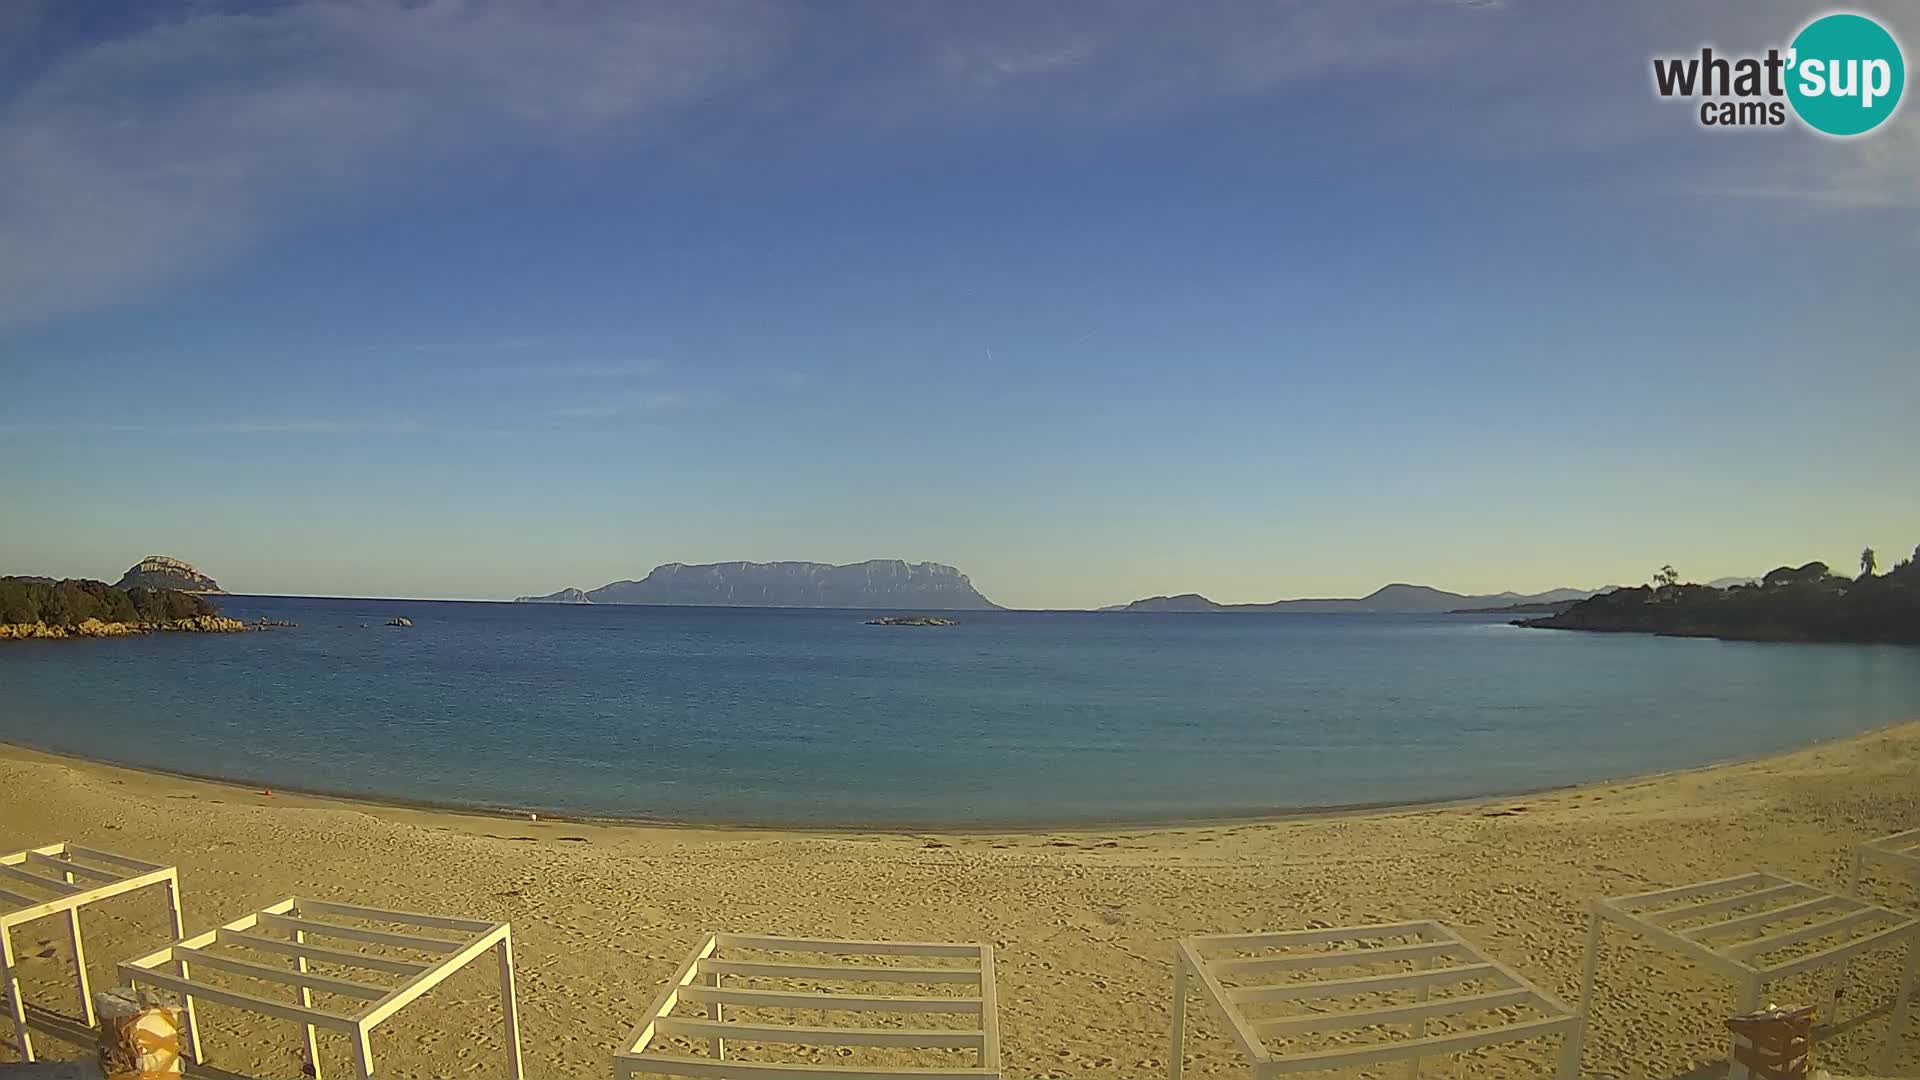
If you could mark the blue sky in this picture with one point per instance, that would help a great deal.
(1093, 301)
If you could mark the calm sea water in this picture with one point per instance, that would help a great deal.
(812, 717)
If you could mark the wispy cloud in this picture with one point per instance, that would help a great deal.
(577, 371)
(627, 405)
(182, 140)
(309, 425)
(169, 149)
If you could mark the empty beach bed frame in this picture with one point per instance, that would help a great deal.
(62, 879)
(948, 995)
(1413, 975)
(277, 944)
(1756, 929)
(1900, 852)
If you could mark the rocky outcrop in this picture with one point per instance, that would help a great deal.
(206, 624)
(877, 583)
(165, 572)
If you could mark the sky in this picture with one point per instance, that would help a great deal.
(1259, 300)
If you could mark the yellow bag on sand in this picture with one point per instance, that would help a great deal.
(137, 1041)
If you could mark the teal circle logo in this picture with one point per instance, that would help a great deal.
(1845, 74)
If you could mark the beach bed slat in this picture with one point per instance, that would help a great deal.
(289, 976)
(136, 865)
(1393, 1014)
(1367, 984)
(1343, 958)
(355, 933)
(850, 972)
(826, 946)
(328, 907)
(800, 999)
(41, 880)
(316, 952)
(1763, 918)
(1209, 943)
(1837, 953)
(242, 1000)
(701, 981)
(189, 956)
(822, 1036)
(1439, 944)
(68, 866)
(1687, 892)
(708, 1069)
(1668, 916)
(1828, 928)
(1408, 1049)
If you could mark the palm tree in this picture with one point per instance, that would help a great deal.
(1868, 563)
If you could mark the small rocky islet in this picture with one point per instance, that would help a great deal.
(911, 620)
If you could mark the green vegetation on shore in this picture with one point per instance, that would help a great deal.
(41, 608)
(1804, 603)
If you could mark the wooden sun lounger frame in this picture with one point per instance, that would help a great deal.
(1744, 938)
(171, 968)
(1194, 958)
(1901, 851)
(699, 981)
(57, 869)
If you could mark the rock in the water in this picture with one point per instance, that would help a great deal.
(400, 621)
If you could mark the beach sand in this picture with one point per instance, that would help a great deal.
(1081, 921)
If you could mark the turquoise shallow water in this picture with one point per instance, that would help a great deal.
(1011, 718)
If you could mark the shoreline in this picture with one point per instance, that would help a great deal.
(1081, 920)
(1263, 816)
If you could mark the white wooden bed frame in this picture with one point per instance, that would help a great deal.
(301, 921)
(1900, 852)
(1726, 931)
(699, 981)
(1441, 957)
(75, 876)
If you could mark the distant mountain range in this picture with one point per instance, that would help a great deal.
(1395, 599)
(877, 583)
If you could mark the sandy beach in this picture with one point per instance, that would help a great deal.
(1081, 921)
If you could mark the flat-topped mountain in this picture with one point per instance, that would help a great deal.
(1395, 599)
(877, 583)
(165, 572)
(564, 596)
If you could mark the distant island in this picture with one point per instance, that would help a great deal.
(33, 607)
(1537, 607)
(1803, 603)
(1395, 599)
(166, 572)
(910, 620)
(877, 583)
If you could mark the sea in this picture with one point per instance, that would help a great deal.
(1006, 720)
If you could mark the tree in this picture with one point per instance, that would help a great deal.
(1867, 562)
(1667, 577)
